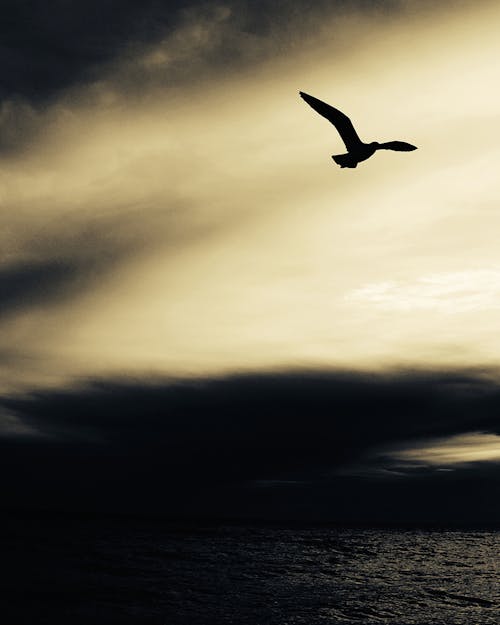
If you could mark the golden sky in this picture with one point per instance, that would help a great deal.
(206, 228)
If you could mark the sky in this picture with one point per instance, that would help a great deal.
(189, 286)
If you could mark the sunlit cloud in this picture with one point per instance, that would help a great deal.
(450, 293)
(456, 450)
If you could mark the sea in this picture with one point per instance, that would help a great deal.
(92, 571)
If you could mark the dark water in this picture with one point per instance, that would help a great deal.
(87, 572)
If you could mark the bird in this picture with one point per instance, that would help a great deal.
(357, 150)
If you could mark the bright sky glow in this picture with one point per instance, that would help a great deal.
(225, 237)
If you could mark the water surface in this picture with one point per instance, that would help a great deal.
(91, 572)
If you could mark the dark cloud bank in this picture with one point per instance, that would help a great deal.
(47, 48)
(58, 55)
(61, 55)
(50, 46)
(270, 446)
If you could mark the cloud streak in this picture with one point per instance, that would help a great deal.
(457, 450)
(450, 293)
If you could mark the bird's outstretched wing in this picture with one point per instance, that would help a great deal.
(341, 122)
(398, 146)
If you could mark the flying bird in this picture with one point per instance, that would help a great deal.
(357, 150)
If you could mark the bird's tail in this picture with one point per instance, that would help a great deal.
(398, 146)
(345, 160)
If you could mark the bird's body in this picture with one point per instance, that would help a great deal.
(351, 159)
(357, 150)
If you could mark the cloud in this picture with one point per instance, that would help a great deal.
(29, 284)
(166, 446)
(449, 293)
(97, 53)
(44, 263)
(46, 50)
(457, 450)
(58, 48)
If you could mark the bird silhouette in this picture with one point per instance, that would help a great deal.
(357, 150)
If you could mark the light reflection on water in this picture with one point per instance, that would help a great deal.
(147, 573)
